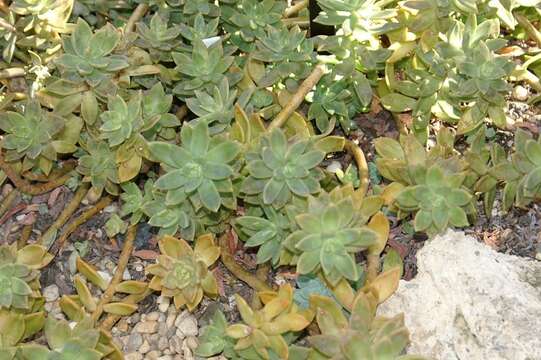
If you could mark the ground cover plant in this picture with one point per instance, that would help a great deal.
(230, 130)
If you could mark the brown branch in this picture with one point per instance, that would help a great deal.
(297, 99)
(362, 166)
(81, 219)
(111, 319)
(30, 189)
(127, 249)
(7, 201)
(48, 236)
(3, 7)
(240, 273)
(137, 14)
(292, 10)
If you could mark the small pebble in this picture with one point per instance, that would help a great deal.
(520, 93)
(191, 342)
(153, 355)
(145, 347)
(163, 343)
(153, 316)
(187, 324)
(175, 343)
(50, 293)
(133, 356)
(163, 303)
(146, 327)
(134, 342)
(334, 166)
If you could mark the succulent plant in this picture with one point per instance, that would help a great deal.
(157, 37)
(287, 51)
(522, 173)
(206, 67)
(200, 169)
(15, 327)
(36, 136)
(67, 342)
(182, 272)
(88, 56)
(362, 20)
(213, 339)
(200, 29)
(98, 166)
(248, 20)
(262, 331)
(268, 232)
(363, 336)
(331, 232)
(217, 110)
(54, 13)
(121, 120)
(439, 201)
(19, 275)
(280, 169)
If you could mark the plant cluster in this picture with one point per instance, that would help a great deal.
(217, 120)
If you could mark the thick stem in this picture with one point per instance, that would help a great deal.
(27, 188)
(292, 10)
(12, 73)
(229, 262)
(81, 219)
(362, 166)
(111, 319)
(372, 267)
(297, 99)
(137, 14)
(48, 236)
(25, 235)
(182, 112)
(127, 249)
(300, 22)
(7, 201)
(532, 32)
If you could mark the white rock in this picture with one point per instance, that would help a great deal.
(163, 303)
(105, 275)
(51, 293)
(187, 324)
(520, 93)
(334, 167)
(470, 302)
(146, 327)
(133, 356)
(170, 321)
(145, 347)
(153, 316)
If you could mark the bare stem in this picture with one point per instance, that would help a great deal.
(12, 73)
(532, 32)
(81, 219)
(137, 14)
(25, 235)
(229, 262)
(372, 267)
(27, 188)
(127, 249)
(48, 236)
(362, 166)
(297, 99)
(292, 10)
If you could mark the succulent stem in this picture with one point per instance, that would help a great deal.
(292, 10)
(111, 319)
(137, 14)
(7, 201)
(372, 267)
(229, 262)
(27, 188)
(25, 235)
(298, 97)
(297, 21)
(362, 166)
(48, 237)
(182, 112)
(81, 219)
(532, 32)
(127, 249)
(11, 73)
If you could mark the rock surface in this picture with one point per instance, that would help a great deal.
(470, 302)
